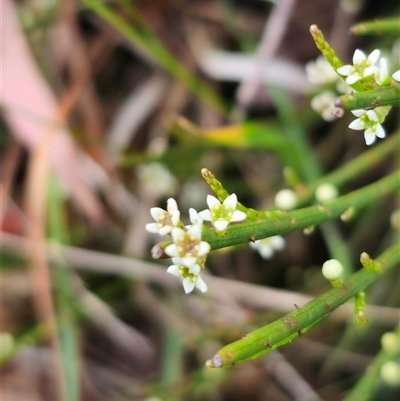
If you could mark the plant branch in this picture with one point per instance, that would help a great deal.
(283, 330)
(267, 224)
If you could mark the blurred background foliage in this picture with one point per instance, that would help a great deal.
(94, 92)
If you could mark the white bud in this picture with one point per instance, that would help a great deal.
(285, 199)
(390, 342)
(332, 269)
(390, 373)
(326, 192)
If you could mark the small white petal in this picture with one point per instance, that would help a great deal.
(345, 70)
(188, 286)
(176, 214)
(194, 231)
(195, 217)
(352, 79)
(206, 215)
(359, 112)
(238, 216)
(172, 250)
(195, 269)
(220, 225)
(156, 212)
(359, 57)
(374, 56)
(266, 252)
(212, 202)
(188, 261)
(174, 269)
(171, 205)
(201, 285)
(396, 76)
(369, 138)
(153, 228)
(165, 230)
(204, 248)
(177, 261)
(231, 201)
(357, 124)
(380, 132)
(278, 242)
(372, 115)
(369, 71)
(177, 233)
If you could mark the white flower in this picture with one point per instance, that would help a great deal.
(320, 72)
(285, 199)
(362, 66)
(157, 179)
(187, 246)
(368, 121)
(326, 192)
(222, 214)
(189, 279)
(332, 269)
(323, 105)
(165, 220)
(396, 76)
(267, 246)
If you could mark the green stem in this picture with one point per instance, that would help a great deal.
(280, 331)
(280, 222)
(367, 161)
(382, 96)
(378, 27)
(365, 388)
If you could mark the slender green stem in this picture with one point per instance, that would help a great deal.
(378, 27)
(365, 388)
(367, 161)
(281, 331)
(280, 222)
(382, 96)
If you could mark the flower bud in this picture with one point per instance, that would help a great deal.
(332, 269)
(285, 199)
(326, 192)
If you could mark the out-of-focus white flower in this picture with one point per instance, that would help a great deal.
(189, 279)
(267, 246)
(368, 120)
(326, 192)
(351, 6)
(157, 179)
(332, 269)
(396, 76)
(323, 105)
(362, 67)
(320, 72)
(222, 214)
(285, 199)
(187, 246)
(166, 220)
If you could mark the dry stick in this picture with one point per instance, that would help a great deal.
(36, 201)
(271, 38)
(251, 295)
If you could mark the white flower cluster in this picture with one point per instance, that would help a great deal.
(362, 67)
(188, 251)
